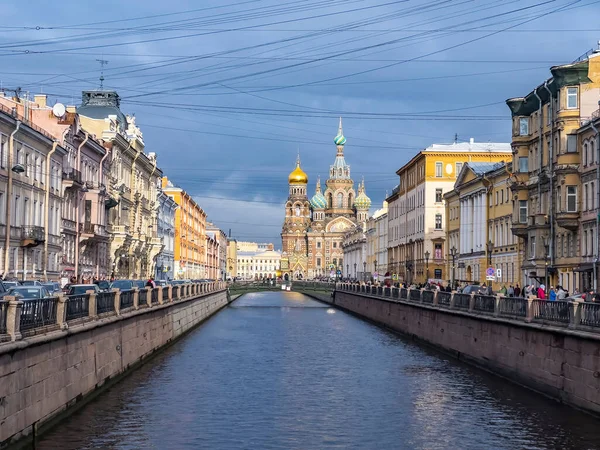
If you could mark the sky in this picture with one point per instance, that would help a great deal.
(228, 92)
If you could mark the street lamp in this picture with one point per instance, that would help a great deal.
(355, 271)
(392, 264)
(347, 270)
(546, 252)
(453, 252)
(375, 272)
(427, 265)
(364, 271)
(489, 246)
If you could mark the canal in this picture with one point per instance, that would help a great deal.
(278, 370)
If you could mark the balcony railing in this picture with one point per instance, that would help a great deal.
(33, 233)
(38, 313)
(72, 175)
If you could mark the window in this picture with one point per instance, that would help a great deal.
(502, 196)
(585, 154)
(335, 245)
(571, 198)
(585, 197)
(437, 273)
(523, 164)
(571, 143)
(438, 170)
(522, 211)
(340, 200)
(532, 248)
(318, 262)
(572, 98)
(438, 195)
(523, 126)
(458, 167)
(438, 221)
(591, 198)
(318, 244)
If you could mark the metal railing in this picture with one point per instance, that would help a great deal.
(78, 306)
(126, 299)
(577, 315)
(32, 232)
(3, 314)
(154, 295)
(175, 292)
(105, 302)
(72, 175)
(38, 313)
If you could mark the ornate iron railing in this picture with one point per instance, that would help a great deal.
(513, 307)
(462, 301)
(590, 314)
(126, 300)
(105, 302)
(3, 311)
(443, 298)
(154, 295)
(78, 306)
(428, 296)
(551, 311)
(38, 313)
(485, 303)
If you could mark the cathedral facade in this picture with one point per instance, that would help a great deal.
(314, 229)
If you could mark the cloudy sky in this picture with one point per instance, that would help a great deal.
(227, 92)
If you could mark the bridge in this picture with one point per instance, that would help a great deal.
(278, 361)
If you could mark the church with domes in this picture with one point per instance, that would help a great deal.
(314, 229)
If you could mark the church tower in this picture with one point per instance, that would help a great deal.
(339, 191)
(296, 224)
(318, 203)
(362, 204)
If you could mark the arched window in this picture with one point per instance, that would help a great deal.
(330, 198)
(350, 200)
(340, 200)
(340, 172)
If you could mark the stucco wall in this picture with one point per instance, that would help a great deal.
(559, 362)
(43, 375)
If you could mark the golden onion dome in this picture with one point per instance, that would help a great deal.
(298, 176)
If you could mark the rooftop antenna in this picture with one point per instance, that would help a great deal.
(102, 62)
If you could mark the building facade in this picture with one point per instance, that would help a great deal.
(257, 261)
(31, 193)
(354, 246)
(479, 222)
(165, 260)
(220, 238)
(132, 188)
(416, 236)
(190, 234)
(232, 271)
(313, 230)
(548, 170)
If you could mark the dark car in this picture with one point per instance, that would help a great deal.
(30, 283)
(140, 284)
(80, 289)
(103, 285)
(124, 285)
(29, 292)
(53, 287)
(474, 288)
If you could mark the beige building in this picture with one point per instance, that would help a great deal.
(257, 261)
(416, 237)
(232, 271)
(548, 170)
(132, 187)
(480, 237)
(31, 196)
(216, 241)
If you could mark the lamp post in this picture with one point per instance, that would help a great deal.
(546, 252)
(489, 247)
(453, 254)
(347, 270)
(427, 265)
(392, 264)
(375, 272)
(364, 271)
(355, 271)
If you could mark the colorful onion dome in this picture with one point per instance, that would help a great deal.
(340, 139)
(362, 201)
(318, 201)
(297, 176)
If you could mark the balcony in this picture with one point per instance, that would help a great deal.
(118, 229)
(32, 236)
(519, 229)
(86, 230)
(72, 179)
(568, 220)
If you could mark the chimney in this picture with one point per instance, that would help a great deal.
(471, 141)
(40, 100)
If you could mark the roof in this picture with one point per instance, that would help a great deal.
(100, 105)
(471, 146)
(484, 167)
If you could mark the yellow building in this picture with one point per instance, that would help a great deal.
(546, 184)
(190, 234)
(416, 237)
(232, 271)
(479, 222)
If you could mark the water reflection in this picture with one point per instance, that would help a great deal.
(280, 371)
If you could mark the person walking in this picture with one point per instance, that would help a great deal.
(552, 294)
(150, 282)
(511, 291)
(541, 292)
(517, 290)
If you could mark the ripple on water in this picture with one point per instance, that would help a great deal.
(279, 371)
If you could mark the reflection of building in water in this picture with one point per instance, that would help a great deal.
(313, 230)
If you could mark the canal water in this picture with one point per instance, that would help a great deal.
(278, 370)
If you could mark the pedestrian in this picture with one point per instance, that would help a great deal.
(517, 290)
(553, 294)
(541, 292)
(511, 291)
(560, 293)
(150, 282)
(503, 290)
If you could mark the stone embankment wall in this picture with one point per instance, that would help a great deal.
(42, 376)
(557, 361)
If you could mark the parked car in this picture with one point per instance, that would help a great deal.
(53, 287)
(9, 284)
(473, 288)
(79, 289)
(29, 292)
(124, 285)
(140, 284)
(161, 283)
(31, 283)
(103, 285)
(3, 289)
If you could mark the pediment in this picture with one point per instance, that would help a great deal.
(339, 224)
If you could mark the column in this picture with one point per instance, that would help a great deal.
(461, 236)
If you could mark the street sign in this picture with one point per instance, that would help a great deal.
(490, 274)
(499, 274)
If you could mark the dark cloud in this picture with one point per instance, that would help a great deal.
(231, 139)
